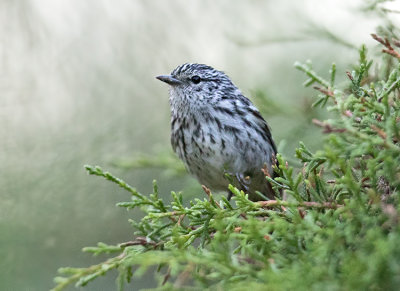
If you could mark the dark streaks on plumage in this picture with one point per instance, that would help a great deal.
(264, 131)
(197, 146)
(197, 130)
(173, 122)
(217, 130)
(256, 114)
(207, 116)
(218, 122)
(212, 139)
(244, 99)
(183, 145)
(231, 129)
(224, 110)
(247, 122)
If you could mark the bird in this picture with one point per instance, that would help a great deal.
(218, 133)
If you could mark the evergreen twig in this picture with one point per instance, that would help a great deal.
(336, 226)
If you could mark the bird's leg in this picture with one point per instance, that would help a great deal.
(243, 184)
(230, 194)
(243, 181)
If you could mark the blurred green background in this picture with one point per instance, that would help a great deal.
(77, 87)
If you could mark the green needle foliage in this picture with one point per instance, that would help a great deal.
(336, 226)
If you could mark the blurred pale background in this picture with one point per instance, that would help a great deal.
(77, 87)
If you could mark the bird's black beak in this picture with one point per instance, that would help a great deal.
(169, 80)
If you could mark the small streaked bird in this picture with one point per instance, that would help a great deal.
(216, 131)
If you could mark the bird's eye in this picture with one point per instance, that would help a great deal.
(196, 79)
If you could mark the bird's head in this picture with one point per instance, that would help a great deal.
(198, 82)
